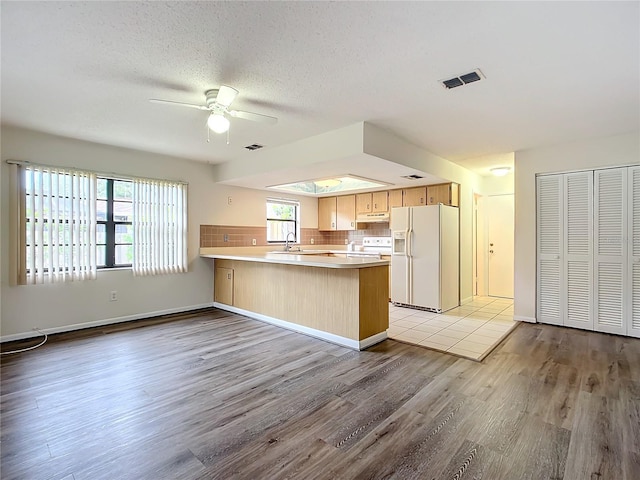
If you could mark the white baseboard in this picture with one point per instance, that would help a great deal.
(100, 323)
(520, 318)
(312, 332)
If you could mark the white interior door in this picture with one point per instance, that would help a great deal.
(500, 211)
(610, 252)
(550, 228)
(578, 250)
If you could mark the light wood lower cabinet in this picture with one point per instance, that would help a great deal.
(349, 302)
(223, 285)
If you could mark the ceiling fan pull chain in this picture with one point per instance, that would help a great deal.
(208, 131)
(228, 136)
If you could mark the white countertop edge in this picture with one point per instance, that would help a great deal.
(312, 332)
(304, 260)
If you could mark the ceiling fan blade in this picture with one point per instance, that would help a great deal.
(226, 95)
(256, 117)
(180, 104)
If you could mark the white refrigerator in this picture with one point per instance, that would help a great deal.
(425, 260)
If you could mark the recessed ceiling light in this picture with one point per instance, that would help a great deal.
(500, 171)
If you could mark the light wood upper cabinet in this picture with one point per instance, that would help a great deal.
(380, 202)
(327, 213)
(414, 197)
(395, 198)
(346, 212)
(363, 203)
(446, 193)
(376, 202)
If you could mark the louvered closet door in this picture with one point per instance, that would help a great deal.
(633, 284)
(578, 249)
(550, 233)
(610, 250)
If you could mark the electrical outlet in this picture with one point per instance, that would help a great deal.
(253, 242)
(113, 296)
(346, 241)
(35, 329)
(226, 237)
(312, 242)
(228, 200)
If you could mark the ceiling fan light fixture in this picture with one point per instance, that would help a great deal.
(218, 123)
(500, 171)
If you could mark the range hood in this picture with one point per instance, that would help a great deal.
(382, 217)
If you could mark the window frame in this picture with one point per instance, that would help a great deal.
(295, 220)
(110, 226)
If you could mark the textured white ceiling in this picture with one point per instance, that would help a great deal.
(555, 71)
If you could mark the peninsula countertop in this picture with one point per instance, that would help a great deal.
(304, 259)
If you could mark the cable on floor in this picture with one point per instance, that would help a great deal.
(29, 348)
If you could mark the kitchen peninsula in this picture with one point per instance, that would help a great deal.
(341, 300)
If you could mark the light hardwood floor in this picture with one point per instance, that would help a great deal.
(213, 395)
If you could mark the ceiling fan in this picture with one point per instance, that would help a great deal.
(218, 101)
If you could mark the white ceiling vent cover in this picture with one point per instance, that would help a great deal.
(464, 79)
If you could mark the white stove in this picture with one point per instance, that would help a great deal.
(372, 247)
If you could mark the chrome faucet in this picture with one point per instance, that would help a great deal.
(286, 241)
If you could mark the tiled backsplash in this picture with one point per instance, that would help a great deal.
(214, 236)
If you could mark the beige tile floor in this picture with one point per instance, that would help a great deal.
(471, 330)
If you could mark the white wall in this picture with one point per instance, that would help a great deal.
(492, 185)
(60, 307)
(593, 153)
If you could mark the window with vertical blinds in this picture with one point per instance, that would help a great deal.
(72, 223)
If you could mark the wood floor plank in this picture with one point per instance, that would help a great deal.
(596, 449)
(211, 394)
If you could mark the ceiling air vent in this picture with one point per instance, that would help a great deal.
(255, 146)
(412, 177)
(463, 79)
